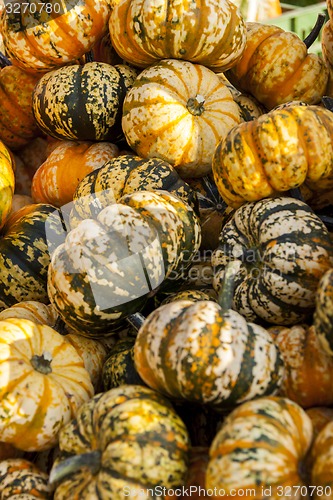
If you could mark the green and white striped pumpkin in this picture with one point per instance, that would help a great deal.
(128, 438)
(282, 249)
(119, 368)
(21, 478)
(82, 102)
(109, 266)
(323, 316)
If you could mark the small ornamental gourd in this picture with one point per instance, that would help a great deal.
(56, 180)
(321, 459)
(21, 478)
(281, 150)
(278, 267)
(43, 382)
(276, 67)
(109, 266)
(37, 312)
(119, 368)
(144, 32)
(178, 111)
(126, 439)
(7, 182)
(206, 353)
(323, 317)
(82, 102)
(260, 447)
(44, 37)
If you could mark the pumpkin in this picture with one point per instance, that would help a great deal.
(212, 34)
(41, 38)
(128, 438)
(56, 180)
(178, 111)
(278, 151)
(308, 368)
(320, 416)
(9, 451)
(276, 67)
(259, 11)
(124, 175)
(21, 478)
(17, 123)
(25, 246)
(260, 448)
(195, 483)
(323, 317)
(119, 368)
(43, 382)
(206, 353)
(82, 102)
(278, 267)
(108, 266)
(39, 313)
(19, 201)
(103, 51)
(7, 182)
(321, 459)
(249, 107)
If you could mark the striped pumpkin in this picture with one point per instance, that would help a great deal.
(56, 180)
(119, 368)
(25, 254)
(82, 102)
(279, 269)
(43, 382)
(134, 440)
(20, 478)
(39, 313)
(212, 34)
(276, 67)
(321, 458)
(260, 447)
(205, 352)
(323, 317)
(7, 182)
(39, 41)
(107, 267)
(178, 111)
(280, 150)
(124, 175)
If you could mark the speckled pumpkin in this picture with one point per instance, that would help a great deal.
(25, 254)
(321, 458)
(82, 102)
(212, 34)
(39, 41)
(107, 267)
(37, 312)
(278, 151)
(17, 123)
(282, 249)
(124, 175)
(323, 317)
(205, 352)
(20, 478)
(261, 444)
(276, 67)
(178, 111)
(43, 382)
(119, 366)
(56, 180)
(7, 182)
(126, 438)
(320, 416)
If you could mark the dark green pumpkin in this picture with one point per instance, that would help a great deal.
(119, 366)
(82, 102)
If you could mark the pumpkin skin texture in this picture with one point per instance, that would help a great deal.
(119, 366)
(82, 102)
(21, 478)
(7, 183)
(178, 111)
(276, 67)
(124, 175)
(45, 41)
(39, 313)
(321, 458)
(25, 254)
(320, 416)
(215, 38)
(90, 283)
(204, 353)
(260, 444)
(46, 378)
(17, 123)
(57, 178)
(135, 440)
(279, 269)
(281, 150)
(323, 317)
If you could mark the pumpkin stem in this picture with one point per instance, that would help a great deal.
(312, 36)
(4, 61)
(60, 326)
(89, 56)
(67, 467)
(296, 193)
(195, 105)
(136, 320)
(226, 292)
(42, 364)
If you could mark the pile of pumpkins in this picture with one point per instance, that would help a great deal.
(166, 253)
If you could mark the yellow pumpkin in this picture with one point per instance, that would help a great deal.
(7, 182)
